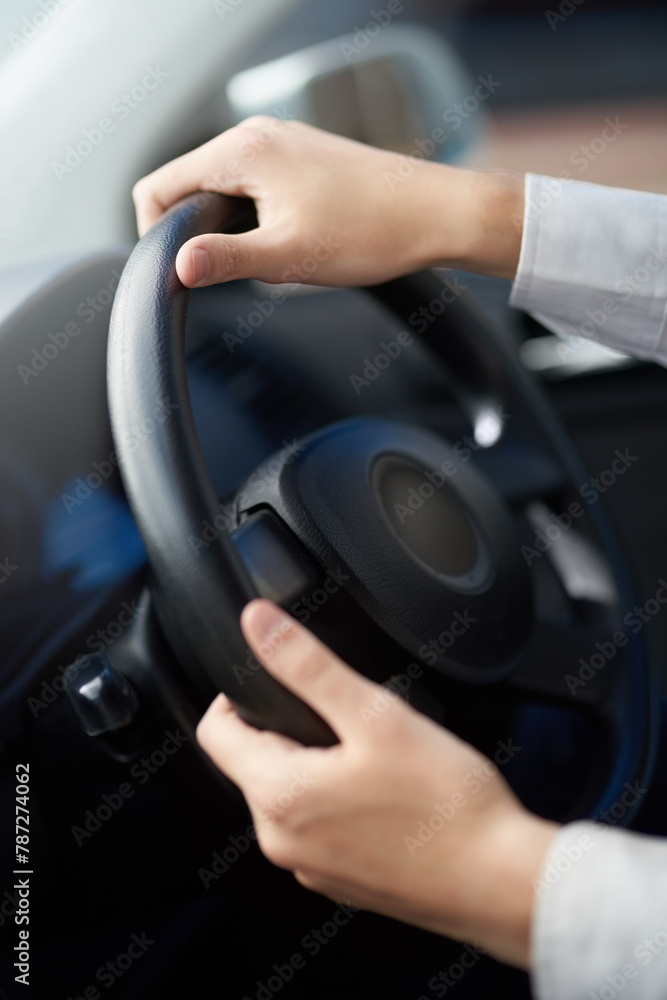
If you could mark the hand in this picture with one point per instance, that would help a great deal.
(347, 819)
(336, 212)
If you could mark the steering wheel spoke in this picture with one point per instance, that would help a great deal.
(554, 665)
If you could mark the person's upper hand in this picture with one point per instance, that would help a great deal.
(400, 817)
(335, 212)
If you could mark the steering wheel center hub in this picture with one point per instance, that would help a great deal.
(422, 538)
(430, 521)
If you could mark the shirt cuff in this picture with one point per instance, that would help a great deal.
(600, 921)
(593, 263)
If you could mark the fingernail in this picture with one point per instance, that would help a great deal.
(269, 624)
(200, 264)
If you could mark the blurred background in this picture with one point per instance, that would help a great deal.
(93, 95)
(554, 75)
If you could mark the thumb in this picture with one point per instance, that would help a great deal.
(216, 257)
(307, 667)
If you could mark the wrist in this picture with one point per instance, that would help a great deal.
(510, 858)
(496, 236)
(475, 220)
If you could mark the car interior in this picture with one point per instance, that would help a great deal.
(166, 455)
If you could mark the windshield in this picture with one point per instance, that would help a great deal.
(95, 93)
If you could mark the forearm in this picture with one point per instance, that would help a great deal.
(472, 219)
(454, 217)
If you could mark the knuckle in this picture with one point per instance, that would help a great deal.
(276, 847)
(312, 662)
(202, 732)
(259, 121)
(389, 727)
(206, 731)
(392, 723)
(140, 189)
(229, 255)
(208, 726)
(308, 880)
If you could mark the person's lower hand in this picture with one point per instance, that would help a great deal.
(347, 819)
(336, 212)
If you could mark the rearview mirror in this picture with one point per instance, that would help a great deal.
(392, 86)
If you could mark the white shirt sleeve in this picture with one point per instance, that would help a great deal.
(593, 264)
(600, 923)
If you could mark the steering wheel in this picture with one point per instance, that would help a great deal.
(475, 571)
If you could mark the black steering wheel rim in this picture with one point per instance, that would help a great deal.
(198, 598)
(199, 593)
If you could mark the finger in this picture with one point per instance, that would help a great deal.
(212, 258)
(237, 748)
(307, 667)
(202, 169)
(217, 165)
